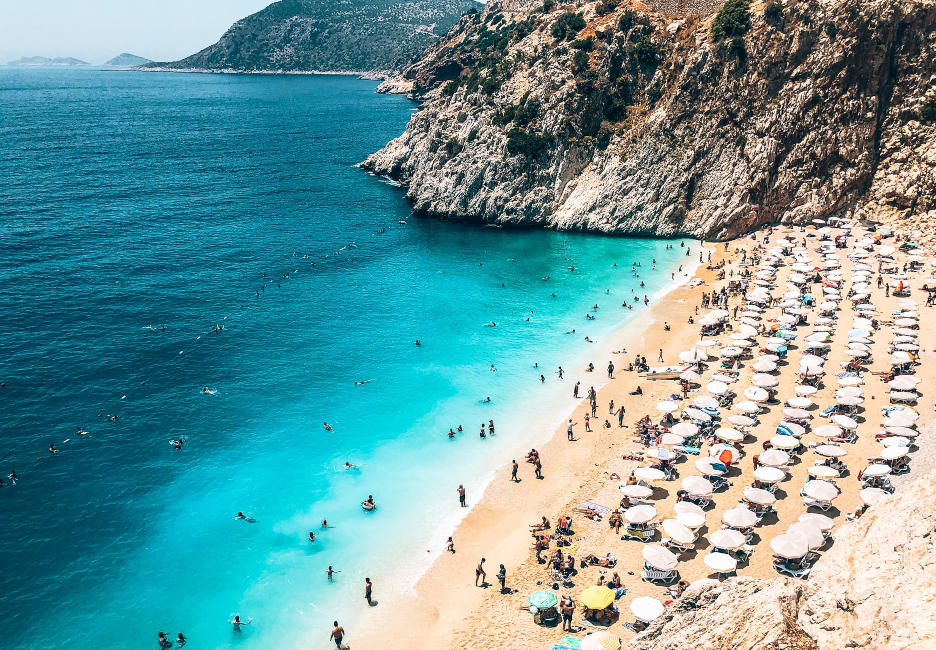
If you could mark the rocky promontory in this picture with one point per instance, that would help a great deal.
(672, 117)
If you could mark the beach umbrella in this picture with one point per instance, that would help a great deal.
(678, 532)
(696, 414)
(904, 382)
(876, 469)
(788, 428)
(759, 496)
(645, 609)
(704, 344)
(690, 520)
(640, 514)
(725, 379)
(543, 599)
(596, 597)
(790, 547)
(740, 336)
(764, 366)
(822, 471)
(899, 358)
(800, 402)
(849, 391)
(727, 538)
(850, 381)
(902, 396)
(811, 360)
(705, 402)
(820, 521)
(828, 431)
(806, 390)
(660, 453)
(764, 381)
(731, 351)
(830, 451)
(812, 534)
(895, 441)
(659, 558)
(849, 400)
(852, 352)
(907, 347)
(774, 458)
(729, 435)
(697, 486)
(872, 496)
(717, 388)
(904, 331)
(719, 449)
(693, 356)
(769, 474)
(756, 394)
(690, 376)
(710, 466)
(720, 562)
(821, 490)
(744, 343)
(845, 422)
(649, 474)
(636, 491)
(893, 453)
(739, 517)
(687, 507)
(667, 406)
(905, 431)
(741, 420)
(600, 641)
(685, 429)
(784, 442)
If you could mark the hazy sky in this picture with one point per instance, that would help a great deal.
(96, 30)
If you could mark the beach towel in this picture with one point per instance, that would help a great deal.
(571, 642)
(597, 507)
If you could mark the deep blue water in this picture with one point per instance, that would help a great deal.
(132, 201)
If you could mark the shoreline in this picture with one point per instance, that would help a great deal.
(346, 73)
(492, 516)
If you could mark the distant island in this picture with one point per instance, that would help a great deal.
(46, 61)
(127, 60)
(319, 36)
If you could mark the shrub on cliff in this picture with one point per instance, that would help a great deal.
(928, 111)
(567, 26)
(531, 145)
(626, 21)
(731, 20)
(773, 13)
(579, 61)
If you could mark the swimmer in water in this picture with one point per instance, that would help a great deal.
(361, 383)
(330, 572)
(52, 449)
(241, 515)
(180, 640)
(487, 400)
(418, 342)
(12, 476)
(325, 524)
(327, 426)
(491, 324)
(348, 465)
(311, 536)
(237, 623)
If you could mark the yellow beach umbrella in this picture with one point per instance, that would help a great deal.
(596, 597)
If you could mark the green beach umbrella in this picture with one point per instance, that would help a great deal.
(543, 599)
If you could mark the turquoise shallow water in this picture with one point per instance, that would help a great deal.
(132, 200)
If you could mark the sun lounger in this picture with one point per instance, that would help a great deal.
(813, 503)
(639, 534)
(781, 567)
(676, 546)
(653, 575)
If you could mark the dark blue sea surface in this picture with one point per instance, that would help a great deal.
(140, 213)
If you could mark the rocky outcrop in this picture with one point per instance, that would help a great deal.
(875, 588)
(621, 119)
(319, 36)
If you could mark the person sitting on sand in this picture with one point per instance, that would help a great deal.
(632, 480)
(543, 525)
(637, 391)
(615, 521)
(614, 584)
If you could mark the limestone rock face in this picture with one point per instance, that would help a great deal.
(644, 123)
(874, 588)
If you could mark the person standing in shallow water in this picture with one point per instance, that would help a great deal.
(368, 591)
(461, 496)
(337, 634)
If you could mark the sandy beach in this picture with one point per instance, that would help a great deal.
(447, 610)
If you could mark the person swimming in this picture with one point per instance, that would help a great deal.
(368, 503)
(362, 382)
(491, 324)
(348, 465)
(241, 515)
(327, 426)
(181, 640)
(52, 449)
(311, 536)
(237, 623)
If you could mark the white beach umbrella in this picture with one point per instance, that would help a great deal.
(659, 557)
(725, 379)
(820, 521)
(774, 458)
(797, 413)
(685, 429)
(729, 435)
(671, 439)
(764, 366)
(768, 474)
(893, 453)
(693, 356)
(667, 406)
(784, 442)
(849, 391)
(828, 431)
(707, 466)
(648, 474)
(795, 429)
(705, 402)
(717, 388)
(741, 420)
(820, 490)
(756, 394)
(764, 381)
(759, 496)
(804, 389)
(719, 448)
(720, 562)
(731, 351)
(704, 344)
(845, 422)
(687, 507)
(696, 414)
(678, 532)
(822, 471)
(727, 538)
(850, 381)
(660, 453)
(876, 470)
(812, 534)
(905, 431)
(830, 451)
(646, 609)
(600, 641)
(849, 400)
(790, 547)
(691, 520)
(739, 517)
(697, 486)
(872, 496)
(903, 382)
(640, 514)
(800, 402)
(895, 441)
(635, 491)
(690, 376)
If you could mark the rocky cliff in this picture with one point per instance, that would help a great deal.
(673, 118)
(874, 588)
(318, 35)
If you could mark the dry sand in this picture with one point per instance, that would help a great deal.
(446, 610)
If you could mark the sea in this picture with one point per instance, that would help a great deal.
(199, 258)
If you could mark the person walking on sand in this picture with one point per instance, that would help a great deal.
(569, 433)
(567, 606)
(538, 467)
(610, 370)
(502, 578)
(513, 472)
(661, 355)
(337, 634)
(560, 372)
(450, 545)
(587, 423)
(620, 416)
(480, 573)
(461, 496)
(368, 591)
(575, 390)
